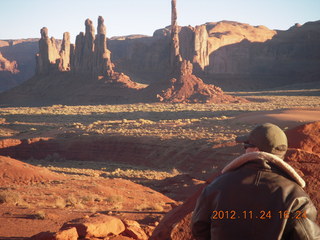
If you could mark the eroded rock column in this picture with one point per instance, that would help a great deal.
(48, 53)
(103, 64)
(64, 62)
(175, 56)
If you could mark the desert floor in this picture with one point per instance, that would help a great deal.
(176, 147)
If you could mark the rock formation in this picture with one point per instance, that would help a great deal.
(103, 62)
(97, 226)
(64, 61)
(17, 61)
(182, 85)
(229, 54)
(48, 53)
(88, 56)
(186, 87)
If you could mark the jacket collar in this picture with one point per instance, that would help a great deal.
(247, 157)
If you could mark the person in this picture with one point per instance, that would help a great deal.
(258, 195)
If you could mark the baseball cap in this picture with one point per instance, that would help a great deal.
(267, 137)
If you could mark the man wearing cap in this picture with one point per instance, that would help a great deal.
(258, 196)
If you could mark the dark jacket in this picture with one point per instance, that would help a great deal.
(257, 197)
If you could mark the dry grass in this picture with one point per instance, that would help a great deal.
(149, 207)
(201, 122)
(10, 197)
(166, 121)
(40, 215)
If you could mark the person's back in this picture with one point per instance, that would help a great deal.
(259, 196)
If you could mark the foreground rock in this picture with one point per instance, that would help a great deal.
(305, 137)
(176, 224)
(96, 227)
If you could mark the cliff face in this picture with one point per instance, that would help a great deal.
(8, 69)
(197, 44)
(233, 55)
(17, 62)
(7, 66)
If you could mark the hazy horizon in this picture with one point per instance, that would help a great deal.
(24, 19)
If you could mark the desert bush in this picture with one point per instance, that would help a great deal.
(87, 198)
(60, 203)
(114, 199)
(149, 207)
(39, 215)
(72, 201)
(10, 197)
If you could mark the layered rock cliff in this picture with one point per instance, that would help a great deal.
(8, 71)
(230, 54)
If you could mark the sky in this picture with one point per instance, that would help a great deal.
(25, 18)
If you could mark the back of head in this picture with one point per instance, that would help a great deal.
(267, 138)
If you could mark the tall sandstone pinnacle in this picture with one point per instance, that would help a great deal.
(197, 52)
(64, 61)
(84, 50)
(48, 53)
(103, 64)
(175, 56)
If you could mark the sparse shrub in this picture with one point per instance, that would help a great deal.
(114, 199)
(60, 203)
(71, 201)
(40, 215)
(87, 198)
(117, 206)
(149, 207)
(10, 197)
